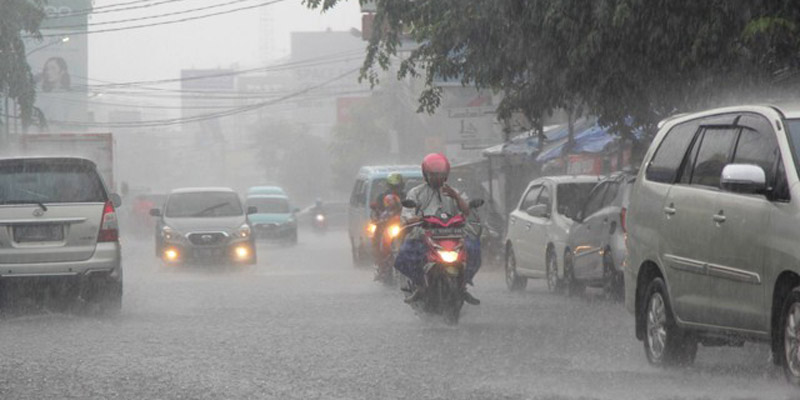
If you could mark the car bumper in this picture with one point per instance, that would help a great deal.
(274, 231)
(243, 252)
(106, 260)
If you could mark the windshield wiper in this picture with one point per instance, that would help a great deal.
(212, 208)
(38, 203)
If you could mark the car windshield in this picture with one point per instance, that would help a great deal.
(203, 204)
(572, 196)
(49, 182)
(267, 205)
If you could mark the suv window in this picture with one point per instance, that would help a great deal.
(358, 197)
(544, 197)
(757, 145)
(530, 197)
(49, 181)
(595, 201)
(712, 156)
(663, 167)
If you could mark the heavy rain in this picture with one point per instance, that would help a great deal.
(399, 199)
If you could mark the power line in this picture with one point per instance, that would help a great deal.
(169, 14)
(103, 9)
(208, 116)
(163, 22)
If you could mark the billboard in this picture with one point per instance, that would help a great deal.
(60, 64)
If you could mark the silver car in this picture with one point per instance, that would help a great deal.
(714, 219)
(204, 225)
(538, 228)
(58, 227)
(596, 250)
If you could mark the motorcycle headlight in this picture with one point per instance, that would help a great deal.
(448, 256)
(371, 229)
(320, 218)
(394, 230)
(170, 234)
(243, 232)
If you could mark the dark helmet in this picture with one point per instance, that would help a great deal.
(435, 169)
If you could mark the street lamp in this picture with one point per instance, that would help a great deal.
(64, 39)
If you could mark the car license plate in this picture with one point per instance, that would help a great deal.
(208, 253)
(38, 233)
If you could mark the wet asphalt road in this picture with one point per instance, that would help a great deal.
(304, 324)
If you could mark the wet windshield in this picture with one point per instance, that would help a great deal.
(269, 205)
(793, 130)
(206, 204)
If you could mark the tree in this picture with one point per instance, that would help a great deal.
(18, 18)
(629, 62)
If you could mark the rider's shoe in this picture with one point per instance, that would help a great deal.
(470, 299)
(414, 296)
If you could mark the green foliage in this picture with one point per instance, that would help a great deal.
(635, 60)
(18, 18)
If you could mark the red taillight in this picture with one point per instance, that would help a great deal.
(622, 219)
(109, 228)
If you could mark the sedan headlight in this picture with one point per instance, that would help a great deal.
(170, 234)
(243, 232)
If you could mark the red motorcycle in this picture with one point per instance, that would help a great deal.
(445, 264)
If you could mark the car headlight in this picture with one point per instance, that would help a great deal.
(170, 234)
(320, 217)
(243, 232)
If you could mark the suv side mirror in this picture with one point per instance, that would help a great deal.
(744, 178)
(409, 203)
(155, 212)
(252, 210)
(475, 203)
(116, 201)
(538, 211)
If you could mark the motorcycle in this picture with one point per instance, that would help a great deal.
(319, 222)
(445, 265)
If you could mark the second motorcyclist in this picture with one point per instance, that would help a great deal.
(395, 186)
(434, 197)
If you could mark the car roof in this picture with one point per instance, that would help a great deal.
(559, 179)
(378, 171)
(54, 159)
(268, 196)
(202, 189)
(790, 110)
(266, 188)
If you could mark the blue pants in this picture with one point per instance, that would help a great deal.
(411, 259)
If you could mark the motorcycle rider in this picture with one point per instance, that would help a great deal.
(395, 186)
(433, 197)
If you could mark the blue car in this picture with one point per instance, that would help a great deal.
(274, 218)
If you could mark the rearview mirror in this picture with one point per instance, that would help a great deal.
(409, 203)
(115, 200)
(475, 203)
(744, 178)
(252, 210)
(538, 211)
(155, 212)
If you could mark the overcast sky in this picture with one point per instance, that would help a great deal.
(219, 41)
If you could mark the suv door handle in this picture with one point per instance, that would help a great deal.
(670, 210)
(719, 218)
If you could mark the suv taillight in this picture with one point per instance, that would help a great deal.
(109, 228)
(623, 214)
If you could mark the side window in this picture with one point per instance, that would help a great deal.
(595, 201)
(530, 198)
(780, 190)
(544, 197)
(356, 191)
(663, 167)
(757, 145)
(611, 193)
(712, 156)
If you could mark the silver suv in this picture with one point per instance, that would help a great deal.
(713, 223)
(58, 227)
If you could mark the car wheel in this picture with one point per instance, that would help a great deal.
(554, 283)
(612, 279)
(790, 340)
(513, 281)
(354, 252)
(572, 287)
(665, 344)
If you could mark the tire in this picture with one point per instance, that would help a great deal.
(450, 301)
(613, 285)
(665, 344)
(355, 253)
(514, 282)
(554, 284)
(572, 287)
(789, 337)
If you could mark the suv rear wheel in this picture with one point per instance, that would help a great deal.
(790, 334)
(665, 344)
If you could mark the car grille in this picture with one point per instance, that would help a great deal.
(207, 238)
